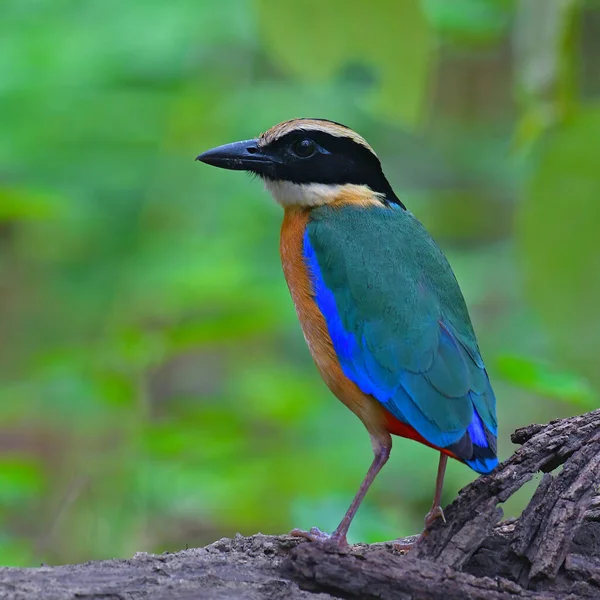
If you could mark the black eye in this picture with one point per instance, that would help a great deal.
(304, 148)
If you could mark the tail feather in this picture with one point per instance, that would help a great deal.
(477, 448)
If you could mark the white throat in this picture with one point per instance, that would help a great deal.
(288, 193)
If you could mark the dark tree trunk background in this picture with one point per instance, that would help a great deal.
(552, 551)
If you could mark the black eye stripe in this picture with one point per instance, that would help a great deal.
(332, 143)
(335, 160)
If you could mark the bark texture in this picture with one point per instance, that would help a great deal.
(552, 551)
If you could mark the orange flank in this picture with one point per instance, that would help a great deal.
(312, 321)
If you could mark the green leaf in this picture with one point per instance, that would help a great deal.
(18, 204)
(546, 380)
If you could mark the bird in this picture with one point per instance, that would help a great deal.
(378, 303)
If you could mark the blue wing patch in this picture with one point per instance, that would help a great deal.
(451, 383)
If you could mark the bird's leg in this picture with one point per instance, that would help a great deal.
(381, 448)
(436, 511)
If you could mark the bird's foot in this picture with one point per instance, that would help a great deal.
(403, 546)
(316, 535)
(435, 513)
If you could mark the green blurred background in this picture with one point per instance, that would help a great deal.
(155, 388)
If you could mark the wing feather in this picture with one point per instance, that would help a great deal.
(400, 327)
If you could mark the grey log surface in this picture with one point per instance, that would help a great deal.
(552, 551)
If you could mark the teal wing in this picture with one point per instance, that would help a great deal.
(400, 327)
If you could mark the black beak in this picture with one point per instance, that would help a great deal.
(239, 156)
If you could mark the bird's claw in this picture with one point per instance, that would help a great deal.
(316, 535)
(401, 545)
(404, 545)
(435, 513)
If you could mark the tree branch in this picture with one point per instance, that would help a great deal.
(552, 551)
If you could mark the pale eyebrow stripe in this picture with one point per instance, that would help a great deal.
(334, 129)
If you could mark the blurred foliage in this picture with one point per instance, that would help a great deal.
(548, 381)
(155, 389)
(467, 22)
(565, 188)
(398, 92)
